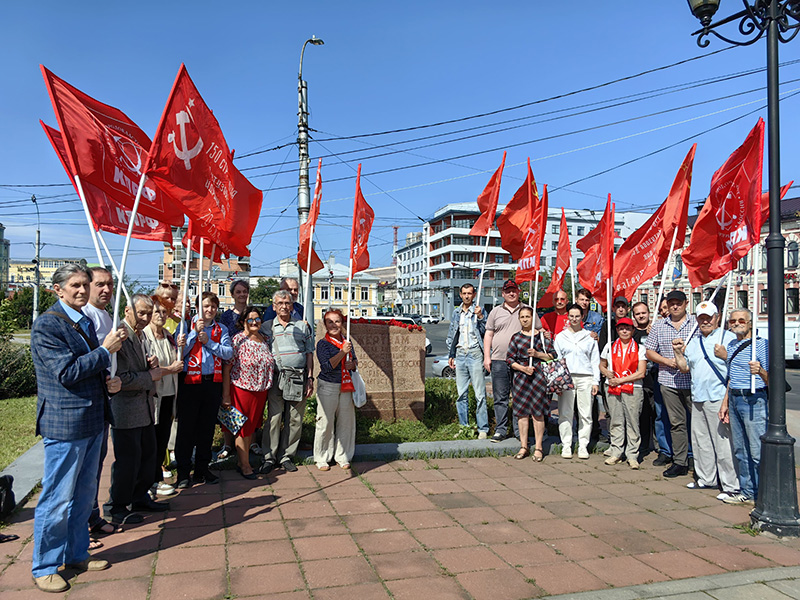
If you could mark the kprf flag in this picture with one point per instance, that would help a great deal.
(107, 150)
(644, 253)
(563, 257)
(730, 222)
(517, 216)
(306, 228)
(528, 265)
(487, 203)
(363, 216)
(597, 264)
(105, 212)
(190, 161)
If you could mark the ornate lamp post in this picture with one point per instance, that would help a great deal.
(776, 505)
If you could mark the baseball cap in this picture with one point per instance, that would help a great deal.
(676, 295)
(706, 308)
(510, 285)
(620, 299)
(624, 321)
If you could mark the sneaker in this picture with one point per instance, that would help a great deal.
(613, 460)
(583, 453)
(694, 485)
(165, 489)
(738, 499)
(566, 453)
(482, 435)
(633, 464)
(661, 460)
(723, 495)
(51, 583)
(607, 452)
(497, 437)
(676, 471)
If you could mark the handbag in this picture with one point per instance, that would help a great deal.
(360, 392)
(232, 418)
(557, 376)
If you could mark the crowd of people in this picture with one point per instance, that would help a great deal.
(175, 377)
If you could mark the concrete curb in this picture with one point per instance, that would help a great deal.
(27, 471)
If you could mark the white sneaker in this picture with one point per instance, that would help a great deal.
(583, 453)
(738, 499)
(613, 460)
(482, 435)
(723, 495)
(165, 489)
(566, 453)
(634, 464)
(607, 452)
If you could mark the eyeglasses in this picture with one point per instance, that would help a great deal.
(253, 321)
(739, 321)
(171, 286)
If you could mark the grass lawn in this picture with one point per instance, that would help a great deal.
(17, 428)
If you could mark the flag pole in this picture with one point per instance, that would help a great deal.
(608, 321)
(123, 262)
(200, 280)
(572, 270)
(113, 266)
(534, 300)
(89, 220)
(756, 265)
(483, 266)
(307, 291)
(666, 266)
(725, 306)
(710, 299)
(185, 294)
(211, 263)
(349, 295)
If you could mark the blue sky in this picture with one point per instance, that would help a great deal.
(388, 66)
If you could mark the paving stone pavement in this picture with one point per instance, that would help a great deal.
(475, 528)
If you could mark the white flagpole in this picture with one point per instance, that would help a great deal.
(349, 295)
(211, 264)
(710, 299)
(666, 267)
(307, 293)
(113, 266)
(756, 265)
(483, 267)
(608, 321)
(200, 281)
(572, 270)
(185, 293)
(123, 262)
(89, 220)
(725, 307)
(534, 300)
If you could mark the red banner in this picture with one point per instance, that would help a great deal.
(306, 244)
(487, 203)
(563, 256)
(644, 253)
(363, 216)
(528, 265)
(597, 264)
(190, 161)
(730, 222)
(513, 224)
(107, 150)
(106, 214)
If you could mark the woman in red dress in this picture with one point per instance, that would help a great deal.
(246, 379)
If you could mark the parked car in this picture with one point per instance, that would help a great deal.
(415, 317)
(442, 369)
(430, 319)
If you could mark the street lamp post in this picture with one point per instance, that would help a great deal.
(303, 194)
(776, 506)
(36, 264)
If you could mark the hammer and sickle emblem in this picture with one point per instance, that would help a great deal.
(722, 217)
(185, 154)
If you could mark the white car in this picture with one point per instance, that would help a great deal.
(442, 369)
(430, 320)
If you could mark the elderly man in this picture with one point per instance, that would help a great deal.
(72, 387)
(676, 387)
(133, 429)
(465, 346)
(711, 440)
(291, 285)
(556, 320)
(746, 411)
(502, 324)
(292, 343)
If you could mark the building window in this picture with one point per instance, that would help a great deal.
(324, 292)
(363, 312)
(741, 299)
(337, 293)
(763, 252)
(554, 245)
(792, 301)
(364, 293)
(554, 229)
(792, 259)
(696, 299)
(221, 289)
(643, 298)
(553, 260)
(581, 229)
(763, 308)
(743, 263)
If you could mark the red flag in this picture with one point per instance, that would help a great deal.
(487, 203)
(106, 149)
(305, 229)
(516, 219)
(363, 216)
(528, 265)
(190, 161)
(597, 264)
(643, 255)
(106, 214)
(730, 222)
(562, 260)
(207, 247)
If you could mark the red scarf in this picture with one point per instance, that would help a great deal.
(194, 371)
(625, 363)
(347, 381)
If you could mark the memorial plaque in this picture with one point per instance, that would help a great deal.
(391, 361)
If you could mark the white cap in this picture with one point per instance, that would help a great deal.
(706, 308)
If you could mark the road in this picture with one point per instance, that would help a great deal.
(437, 334)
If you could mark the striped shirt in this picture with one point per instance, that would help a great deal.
(739, 368)
(289, 344)
(660, 340)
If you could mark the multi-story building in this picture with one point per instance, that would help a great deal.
(387, 288)
(22, 273)
(412, 275)
(217, 277)
(5, 250)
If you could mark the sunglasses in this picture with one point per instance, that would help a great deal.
(171, 286)
(253, 321)
(739, 321)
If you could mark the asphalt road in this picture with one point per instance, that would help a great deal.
(437, 334)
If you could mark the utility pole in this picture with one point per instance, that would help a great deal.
(36, 263)
(303, 194)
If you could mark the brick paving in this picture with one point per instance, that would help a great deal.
(440, 528)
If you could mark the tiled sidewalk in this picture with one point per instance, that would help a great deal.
(447, 528)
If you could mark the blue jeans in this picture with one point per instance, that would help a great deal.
(501, 390)
(69, 487)
(748, 417)
(469, 368)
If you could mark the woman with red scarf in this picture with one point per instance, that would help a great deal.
(624, 393)
(200, 393)
(335, 435)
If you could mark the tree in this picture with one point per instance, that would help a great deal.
(16, 311)
(263, 291)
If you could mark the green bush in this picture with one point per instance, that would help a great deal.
(16, 370)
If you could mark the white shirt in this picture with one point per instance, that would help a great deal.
(642, 357)
(580, 351)
(100, 319)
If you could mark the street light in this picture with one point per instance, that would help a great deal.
(303, 195)
(776, 506)
(36, 263)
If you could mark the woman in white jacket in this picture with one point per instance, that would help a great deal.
(579, 348)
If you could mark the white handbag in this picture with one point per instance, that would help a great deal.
(360, 392)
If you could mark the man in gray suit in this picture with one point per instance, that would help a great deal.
(133, 429)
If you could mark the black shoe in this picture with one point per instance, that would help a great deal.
(266, 468)
(497, 437)
(127, 517)
(184, 484)
(150, 506)
(661, 460)
(676, 471)
(289, 466)
(206, 477)
(691, 465)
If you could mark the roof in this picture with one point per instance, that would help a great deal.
(790, 209)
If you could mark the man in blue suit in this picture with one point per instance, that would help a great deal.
(73, 388)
